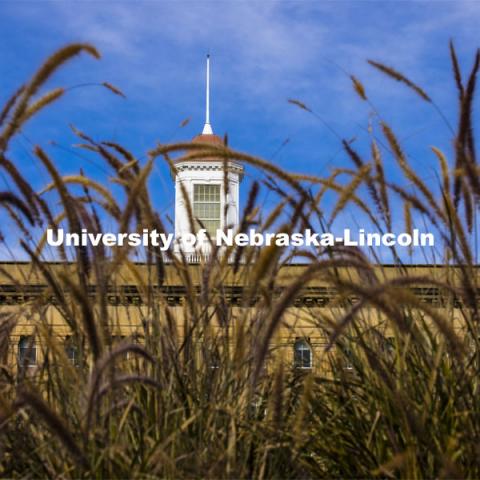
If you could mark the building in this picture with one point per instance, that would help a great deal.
(24, 293)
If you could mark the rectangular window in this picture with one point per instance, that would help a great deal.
(71, 349)
(27, 351)
(206, 206)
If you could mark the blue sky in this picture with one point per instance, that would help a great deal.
(262, 54)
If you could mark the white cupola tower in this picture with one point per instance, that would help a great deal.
(203, 182)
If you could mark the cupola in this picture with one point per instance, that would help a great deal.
(202, 180)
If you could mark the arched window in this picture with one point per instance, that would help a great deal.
(27, 351)
(302, 354)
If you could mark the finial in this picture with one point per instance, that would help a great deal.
(207, 129)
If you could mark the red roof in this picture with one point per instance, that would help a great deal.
(213, 139)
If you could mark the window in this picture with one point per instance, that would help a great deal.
(389, 345)
(214, 359)
(27, 351)
(206, 206)
(348, 358)
(71, 349)
(302, 354)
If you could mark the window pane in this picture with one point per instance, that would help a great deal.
(206, 193)
(306, 360)
(206, 210)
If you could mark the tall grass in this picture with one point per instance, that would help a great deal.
(203, 386)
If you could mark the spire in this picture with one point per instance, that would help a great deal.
(207, 129)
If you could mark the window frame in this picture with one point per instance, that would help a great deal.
(301, 346)
(70, 346)
(196, 184)
(27, 351)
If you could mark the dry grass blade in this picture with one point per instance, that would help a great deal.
(456, 70)
(349, 191)
(18, 222)
(62, 190)
(385, 203)
(407, 217)
(10, 104)
(135, 196)
(299, 104)
(87, 316)
(114, 89)
(444, 169)
(468, 206)
(131, 160)
(246, 221)
(21, 183)
(10, 198)
(368, 179)
(71, 211)
(408, 171)
(400, 78)
(358, 87)
(465, 148)
(415, 202)
(41, 103)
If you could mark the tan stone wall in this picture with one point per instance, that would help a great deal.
(20, 287)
